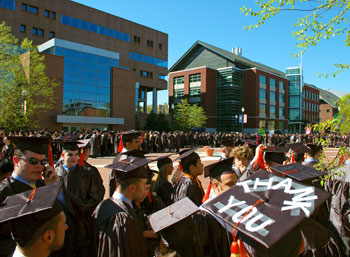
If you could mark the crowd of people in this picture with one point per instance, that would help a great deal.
(58, 209)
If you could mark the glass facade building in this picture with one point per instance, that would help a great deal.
(8, 4)
(87, 78)
(295, 77)
(228, 99)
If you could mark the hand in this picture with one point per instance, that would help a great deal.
(50, 175)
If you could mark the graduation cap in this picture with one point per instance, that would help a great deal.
(29, 210)
(275, 154)
(131, 167)
(84, 143)
(313, 149)
(69, 142)
(127, 136)
(187, 156)
(267, 211)
(251, 143)
(299, 172)
(162, 160)
(298, 151)
(37, 145)
(135, 153)
(215, 170)
(174, 221)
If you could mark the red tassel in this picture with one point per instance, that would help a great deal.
(81, 157)
(260, 160)
(49, 157)
(180, 172)
(149, 196)
(120, 146)
(292, 158)
(342, 160)
(207, 194)
(142, 138)
(235, 249)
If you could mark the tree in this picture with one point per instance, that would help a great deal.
(25, 89)
(324, 19)
(156, 122)
(189, 116)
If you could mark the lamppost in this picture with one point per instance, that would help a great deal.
(172, 114)
(242, 117)
(236, 116)
(24, 103)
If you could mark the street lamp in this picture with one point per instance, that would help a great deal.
(242, 117)
(24, 103)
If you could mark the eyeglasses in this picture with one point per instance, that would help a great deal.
(34, 161)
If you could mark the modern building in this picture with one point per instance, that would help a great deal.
(295, 98)
(223, 82)
(311, 104)
(328, 105)
(105, 64)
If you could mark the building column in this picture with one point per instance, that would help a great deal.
(154, 102)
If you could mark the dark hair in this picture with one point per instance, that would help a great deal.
(188, 161)
(5, 166)
(129, 138)
(127, 182)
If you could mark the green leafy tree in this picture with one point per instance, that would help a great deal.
(156, 122)
(25, 90)
(189, 116)
(319, 20)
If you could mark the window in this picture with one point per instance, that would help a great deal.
(280, 111)
(272, 82)
(52, 34)
(47, 13)
(148, 59)
(262, 109)
(195, 91)
(146, 74)
(41, 33)
(8, 4)
(179, 80)
(262, 124)
(272, 109)
(53, 15)
(150, 43)
(271, 125)
(33, 9)
(262, 80)
(281, 85)
(179, 93)
(262, 93)
(281, 125)
(272, 96)
(195, 77)
(24, 7)
(328, 110)
(22, 28)
(137, 39)
(34, 31)
(281, 98)
(160, 46)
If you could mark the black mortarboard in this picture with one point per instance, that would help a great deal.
(173, 221)
(219, 168)
(162, 160)
(313, 149)
(37, 145)
(187, 157)
(274, 208)
(251, 143)
(85, 143)
(29, 210)
(298, 172)
(150, 175)
(135, 153)
(131, 167)
(69, 142)
(298, 147)
(275, 154)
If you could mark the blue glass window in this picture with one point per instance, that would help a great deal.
(22, 28)
(41, 32)
(34, 31)
(281, 111)
(281, 98)
(67, 20)
(47, 13)
(53, 15)
(262, 80)
(262, 93)
(273, 96)
(148, 59)
(24, 7)
(272, 109)
(33, 9)
(8, 4)
(52, 34)
(272, 82)
(281, 85)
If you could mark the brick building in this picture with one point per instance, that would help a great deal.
(105, 64)
(311, 104)
(328, 107)
(223, 82)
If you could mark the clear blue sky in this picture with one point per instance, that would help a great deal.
(221, 23)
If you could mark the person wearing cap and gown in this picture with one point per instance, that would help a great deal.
(117, 230)
(226, 150)
(188, 184)
(36, 221)
(83, 190)
(242, 156)
(29, 164)
(313, 153)
(130, 140)
(161, 185)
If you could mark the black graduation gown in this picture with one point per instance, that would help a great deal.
(164, 191)
(83, 191)
(213, 238)
(187, 188)
(11, 186)
(117, 232)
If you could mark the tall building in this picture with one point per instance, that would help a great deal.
(295, 98)
(311, 104)
(227, 86)
(105, 64)
(328, 105)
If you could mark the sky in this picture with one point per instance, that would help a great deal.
(221, 23)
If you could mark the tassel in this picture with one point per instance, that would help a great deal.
(260, 160)
(149, 196)
(242, 249)
(120, 146)
(342, 160)
(305, 156)
(81, 157)
(235, 249)
(292, 157)
(49, 157)
(180, 172)
(207, 194)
